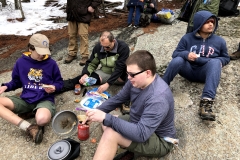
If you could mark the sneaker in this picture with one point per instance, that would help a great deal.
(205, 110)
(69, 59)
(129, 25)
(27, 115)
(83, 61)
(36, 133)
(136, 27)
(124, 156)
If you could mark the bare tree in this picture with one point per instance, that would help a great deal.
(20, 6)
(4, 2)
(16, 4)
(125, 4)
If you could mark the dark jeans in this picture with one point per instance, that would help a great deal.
(210, 73)
(136, 17)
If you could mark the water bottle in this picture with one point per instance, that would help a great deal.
(89, 81)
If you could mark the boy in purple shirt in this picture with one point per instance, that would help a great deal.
(39, 77)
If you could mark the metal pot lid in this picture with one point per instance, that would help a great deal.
(59, 150)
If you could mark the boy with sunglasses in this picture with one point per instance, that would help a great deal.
(149, 128)
(39, 77)
(111, 55)
(199, 57)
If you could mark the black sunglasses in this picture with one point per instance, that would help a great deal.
(107, 47)
(134, 74)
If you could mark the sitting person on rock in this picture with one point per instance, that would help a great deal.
(111, 54)
(39, 77)
(150, 8)
(199, 57)
(150, 123)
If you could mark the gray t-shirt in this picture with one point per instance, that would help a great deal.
(152, 110)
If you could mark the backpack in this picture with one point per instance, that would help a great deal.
(187, 10)
(144, 20)
(228, 8)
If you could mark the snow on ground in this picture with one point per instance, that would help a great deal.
(36, 16)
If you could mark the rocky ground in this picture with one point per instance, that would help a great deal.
(198, 139)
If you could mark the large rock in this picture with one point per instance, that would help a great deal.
(198, 139)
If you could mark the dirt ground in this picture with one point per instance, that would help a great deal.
(110, 23)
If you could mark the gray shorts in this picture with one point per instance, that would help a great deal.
(21, 106)
(106, 76)
(153, 147)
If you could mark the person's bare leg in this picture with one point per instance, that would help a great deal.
(6, 107)
(108, 144)
(43, 116)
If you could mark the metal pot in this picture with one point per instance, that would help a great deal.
(60, 150)
(64, 123)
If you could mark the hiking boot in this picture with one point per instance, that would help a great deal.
(69, 59)
(205, 110)
(83, 61)
(27, 115)
(235, 55)
(35, 132)
(126, 108)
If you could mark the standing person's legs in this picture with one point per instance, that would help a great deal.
(130, 15)
(72, 45)
(137, 16)
(83, 34)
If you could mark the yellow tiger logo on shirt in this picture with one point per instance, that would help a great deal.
(35, 74)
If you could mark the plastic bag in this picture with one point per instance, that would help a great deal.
(164, 16)
(93, 99)
(89, 81)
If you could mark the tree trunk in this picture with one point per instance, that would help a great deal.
(103, 5)
(125, 5)
(16, 4)
(20, 6)
(4, 2)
